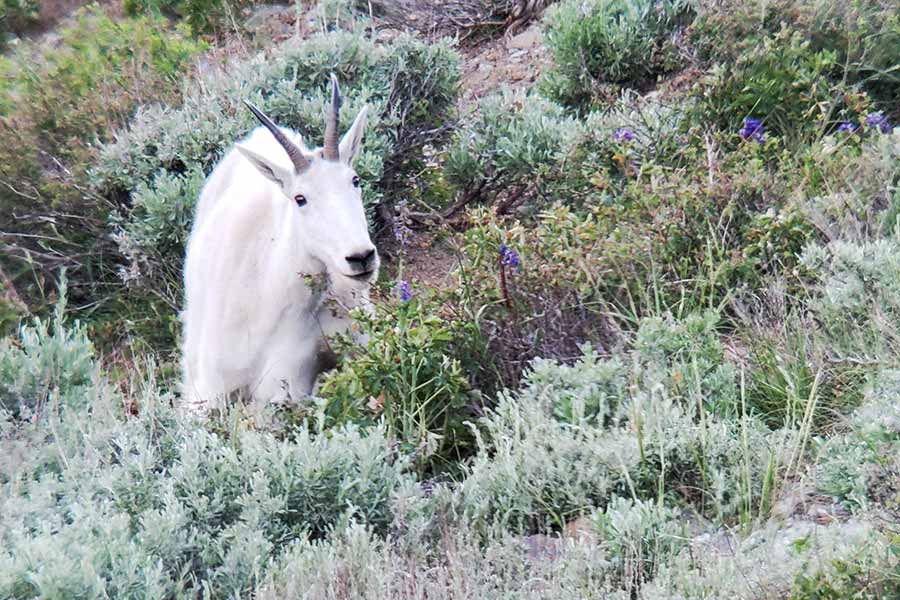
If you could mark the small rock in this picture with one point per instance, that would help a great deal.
(529, 38)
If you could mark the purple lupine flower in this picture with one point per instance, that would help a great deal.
(403, 291)
(848, 127)
(753, 130)
(623, 134)
(509, 257)
(880, 121)
(401, 232)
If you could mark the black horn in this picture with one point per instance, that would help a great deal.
(293, 151)
(331, 151)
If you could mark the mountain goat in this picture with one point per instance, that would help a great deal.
(272, 216)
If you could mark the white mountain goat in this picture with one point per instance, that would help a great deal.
(272, 214)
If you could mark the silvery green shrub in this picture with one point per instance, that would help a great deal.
(591, 390)
(687, 355)
(637, 536)
(545, 457)
(767, 563)
(48, 365)
(514, 144)
(862, 466)
(158, 225)
(856, 296)
(97, 502)
(356, 563)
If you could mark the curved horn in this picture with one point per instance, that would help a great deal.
(331, 122)
(294, 153)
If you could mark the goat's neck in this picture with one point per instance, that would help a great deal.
(291, 265)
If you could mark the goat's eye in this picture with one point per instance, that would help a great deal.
(355, 181)
(300, 199)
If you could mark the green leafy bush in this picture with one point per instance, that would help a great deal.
(16, 16)
(863, 36)
(548, 302)
(854, 190)
(409, 376)
(603, 42)
(94, 78)
(786, 82)
(203, 16)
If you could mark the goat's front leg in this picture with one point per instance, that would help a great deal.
(287, 370)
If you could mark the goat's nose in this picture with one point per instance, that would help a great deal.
(361, 260)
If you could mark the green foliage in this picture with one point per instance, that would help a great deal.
(519, 150)
(157, 227)
(603, 42)
(92, 81)
(676, 345)
(58, 100)
(689, 355)
(863, 36)
(203, 16)
(588, 392)
(773, 241)
(792, 369)
(650, 442)
(784, 81)
(844, 580)
(16, 16)
(861, 467)
(409, 376)
(637, 537)
(770, 562)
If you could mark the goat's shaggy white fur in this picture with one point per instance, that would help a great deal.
(252, 322)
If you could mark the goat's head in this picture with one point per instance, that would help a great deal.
(325, 196)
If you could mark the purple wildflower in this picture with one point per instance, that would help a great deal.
(623, 134)
(509, 257)
(403, 291)
(848, 127)
(401, 232)
(753, 130)
(879, 120)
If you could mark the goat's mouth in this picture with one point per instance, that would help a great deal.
(364, 276)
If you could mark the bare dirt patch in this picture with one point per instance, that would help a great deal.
(508, 63)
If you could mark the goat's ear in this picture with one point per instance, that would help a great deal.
(352, 140)
(269, 169)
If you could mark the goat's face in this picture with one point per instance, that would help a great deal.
(324, 195)
(327, 203)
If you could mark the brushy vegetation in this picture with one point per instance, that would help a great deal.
(663, 363)
(602, 43)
